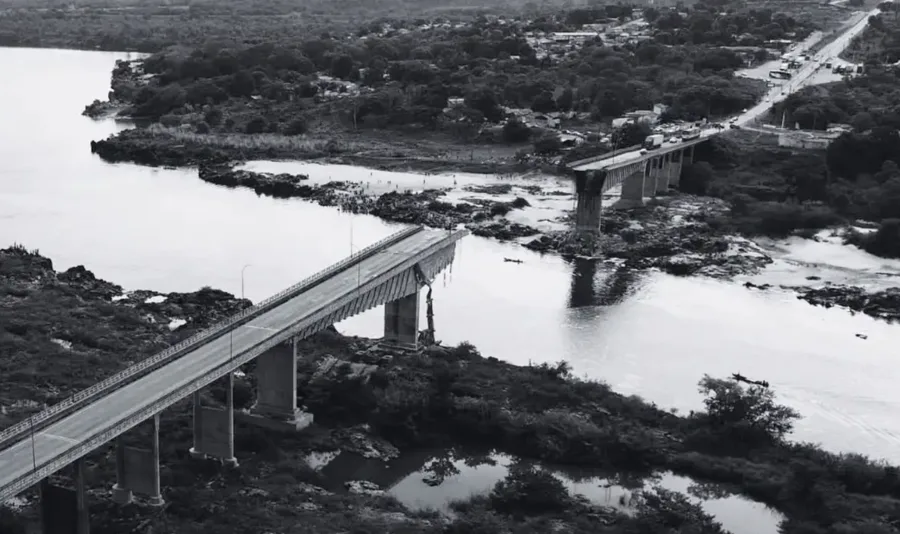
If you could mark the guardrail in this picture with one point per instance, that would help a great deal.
(52, 414)
(601, 157)
(77, 451)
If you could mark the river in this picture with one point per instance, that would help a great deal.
(648, 334)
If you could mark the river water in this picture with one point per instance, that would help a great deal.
(648, 334)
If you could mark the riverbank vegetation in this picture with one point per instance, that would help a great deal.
(446, 395)
(777, 191)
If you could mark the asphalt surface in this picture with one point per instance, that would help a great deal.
(806, 75)
(18, 459)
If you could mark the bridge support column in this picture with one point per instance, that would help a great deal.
(64, 510)
(688, 155)
(675, 168)
(401, 322)
(137, 470)
(214, 428)
(662, 176)
(633, 190)
(589, 200)
(276, 390)
(652, 170)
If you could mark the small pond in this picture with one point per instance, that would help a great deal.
(432, 480)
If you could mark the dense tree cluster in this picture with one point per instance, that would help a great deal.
(723, 24)
(407, 78)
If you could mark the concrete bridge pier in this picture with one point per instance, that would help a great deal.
(662, 177)
(651, 173)
(276, 391)
(64, 510)
(401, 322)
(214, 428)
(137, 470)
(688, 155)
(675, 168)
(633, 189)
(588, 200)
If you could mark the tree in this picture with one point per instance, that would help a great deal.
(886, 241)
(256, 125)
(514, 131)
(631, 134)
(544, 103)
(341, 66)
(485, 100)
(297, 126)
(746, 413)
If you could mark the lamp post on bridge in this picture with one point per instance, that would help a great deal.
(244, 268)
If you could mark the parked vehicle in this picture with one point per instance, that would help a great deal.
(654, 141)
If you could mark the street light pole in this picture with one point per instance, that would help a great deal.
(242, 279)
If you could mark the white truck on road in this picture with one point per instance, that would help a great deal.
(654, 141)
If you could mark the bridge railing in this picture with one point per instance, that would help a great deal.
(169, 397)
(53, 413)
(601, 157)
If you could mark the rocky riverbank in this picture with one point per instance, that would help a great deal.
(884, 304)
(65, 330)
(670, 234)
(127, 79)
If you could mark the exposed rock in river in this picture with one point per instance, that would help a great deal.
(883, 304)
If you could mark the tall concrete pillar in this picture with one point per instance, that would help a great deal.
(633, 190)
(589, 200)
(688, 155)
(64, 510)
(137, 470)
(675, 177)
(675, 168)
(652, 171)
(81, 505)
(401, 321)
(662, 177)
(276, 390)
(214, 428)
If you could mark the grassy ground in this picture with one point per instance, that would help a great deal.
(441, 397)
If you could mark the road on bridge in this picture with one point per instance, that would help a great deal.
(803, 78)
(49, 443)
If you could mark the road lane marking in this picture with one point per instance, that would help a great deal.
(261, 328)
(61, 438)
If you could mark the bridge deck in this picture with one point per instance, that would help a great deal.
(635, 156)
(106, 413)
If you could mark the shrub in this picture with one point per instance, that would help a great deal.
(749, 414)
(256, 125)
(527, 490)
(884, 242)
(297, 126)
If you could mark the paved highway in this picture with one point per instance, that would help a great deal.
(803, 77)
(17, 460)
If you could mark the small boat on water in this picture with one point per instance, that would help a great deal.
(510, 260)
